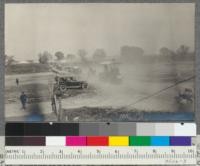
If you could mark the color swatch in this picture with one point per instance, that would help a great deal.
(118, 141)
(97, 141)
(76, 141)
(180, 141)
(55, 141)
(160, 141)
(140, 141)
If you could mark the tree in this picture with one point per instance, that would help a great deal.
(9, 60)
(71, 56)
(44, 57)
(82, 54)
(99, 55)
(131, 53)
(182, 50)
(59, 55)
(164, 51)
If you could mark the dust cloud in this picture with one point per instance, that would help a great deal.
(137, 82)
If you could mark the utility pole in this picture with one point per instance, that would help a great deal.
(53, 104)
(56, 101)
(60, 110)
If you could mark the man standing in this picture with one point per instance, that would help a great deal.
(23, 99)
(17, 81)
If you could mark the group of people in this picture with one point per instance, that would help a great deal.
(23, 97)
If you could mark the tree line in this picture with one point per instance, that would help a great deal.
(127, 54)
(98, 55)
(181, 53)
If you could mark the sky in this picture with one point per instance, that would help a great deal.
(34, 28)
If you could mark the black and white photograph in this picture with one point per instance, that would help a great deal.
(105, 62)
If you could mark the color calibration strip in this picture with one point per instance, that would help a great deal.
(99, 129)
(100, 141)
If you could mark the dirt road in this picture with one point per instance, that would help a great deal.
(138, 81)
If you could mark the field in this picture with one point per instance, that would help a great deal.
(131, 100)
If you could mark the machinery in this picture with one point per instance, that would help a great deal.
(110, 73)
(185, 97)
(64, 83)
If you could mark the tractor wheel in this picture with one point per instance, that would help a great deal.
(83, 86)
(63, 88)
